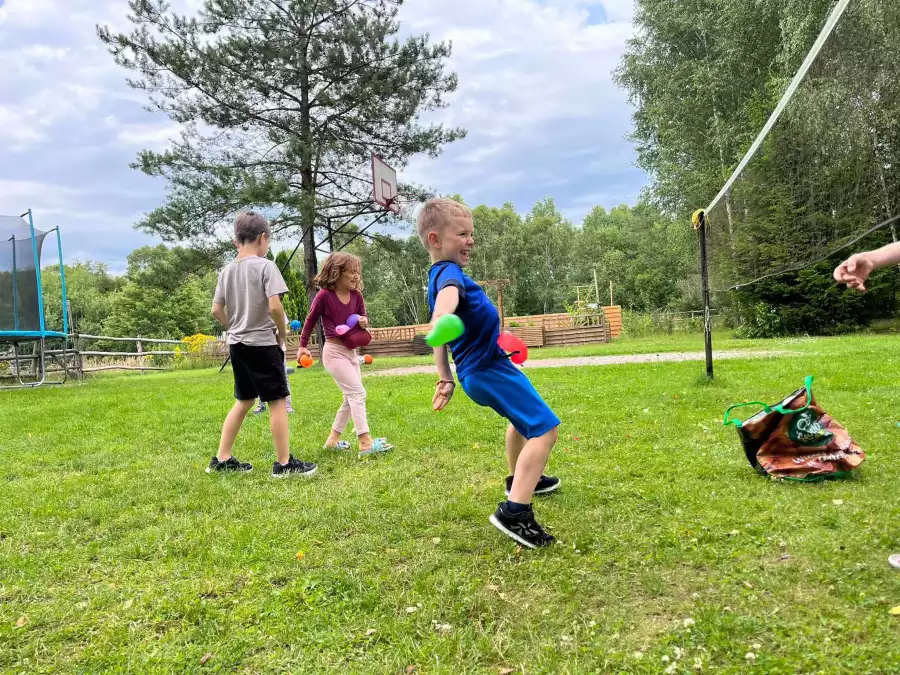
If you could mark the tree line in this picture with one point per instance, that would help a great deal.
(704, 77)
(649, 258)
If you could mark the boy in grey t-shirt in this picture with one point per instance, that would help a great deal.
(247, 303)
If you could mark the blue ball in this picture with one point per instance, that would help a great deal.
(295, 325)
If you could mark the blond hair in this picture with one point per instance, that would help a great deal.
(437, 214)
(249, 225)
(334, 266)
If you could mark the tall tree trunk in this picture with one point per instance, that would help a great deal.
(308, 188)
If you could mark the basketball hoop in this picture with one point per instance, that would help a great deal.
(384, 185)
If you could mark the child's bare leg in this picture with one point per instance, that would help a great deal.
(365, 441)
(514, 444)
(281, 433)
(232, 426)
(530, 465)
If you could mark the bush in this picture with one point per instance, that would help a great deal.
(809, 302)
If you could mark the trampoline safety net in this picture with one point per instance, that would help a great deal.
(20, 306)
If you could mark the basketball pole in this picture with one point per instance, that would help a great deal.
(699, 222)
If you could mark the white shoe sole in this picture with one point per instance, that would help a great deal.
(512, 535)
(545, 491)
(208, 470)
(292, 474)
(894, 561)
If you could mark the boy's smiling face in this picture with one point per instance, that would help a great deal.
(455, 241)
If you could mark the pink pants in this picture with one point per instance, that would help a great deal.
(341, 363)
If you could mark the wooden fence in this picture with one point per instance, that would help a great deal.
(536, 331)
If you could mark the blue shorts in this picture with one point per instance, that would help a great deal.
(506, 390)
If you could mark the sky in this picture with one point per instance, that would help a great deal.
(536, 95)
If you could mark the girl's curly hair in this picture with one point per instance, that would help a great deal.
(334, 266)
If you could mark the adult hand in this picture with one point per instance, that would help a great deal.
(854, 271)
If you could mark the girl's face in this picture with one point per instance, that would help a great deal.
(349, 278)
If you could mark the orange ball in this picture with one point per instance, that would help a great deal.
(368, 359)
(305, 361)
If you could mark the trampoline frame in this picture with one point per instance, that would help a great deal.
(17, 337)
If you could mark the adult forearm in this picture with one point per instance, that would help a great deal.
(885, 256)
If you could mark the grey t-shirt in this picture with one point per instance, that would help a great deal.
(245, 286)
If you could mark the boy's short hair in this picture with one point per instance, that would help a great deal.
(437, 213)
(249, 225)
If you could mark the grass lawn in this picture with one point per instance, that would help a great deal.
(119, 554)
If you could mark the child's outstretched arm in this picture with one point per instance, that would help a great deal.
(446, 302)
(855, 270)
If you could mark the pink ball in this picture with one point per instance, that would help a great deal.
(342, 329)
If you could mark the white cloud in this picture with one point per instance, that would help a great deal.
(535, 88)
(535, 94)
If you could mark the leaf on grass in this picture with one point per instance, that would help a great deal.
(436, 540)
(507, 671)
(128, 603)
(895, 611)
(23, 621)
(300, 555)
(205, 658)
(410, 610)
(371, 631)
(837, 502)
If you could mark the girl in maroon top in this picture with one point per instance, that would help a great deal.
(340, 281)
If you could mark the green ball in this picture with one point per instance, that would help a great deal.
(446, 329)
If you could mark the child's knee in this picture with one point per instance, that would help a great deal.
(551, 436)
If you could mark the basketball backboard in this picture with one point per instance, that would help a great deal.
(384, 181)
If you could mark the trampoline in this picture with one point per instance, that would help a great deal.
(22, 321)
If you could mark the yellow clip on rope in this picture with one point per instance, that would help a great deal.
(695, 219)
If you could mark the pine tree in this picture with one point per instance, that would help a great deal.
(283, 103)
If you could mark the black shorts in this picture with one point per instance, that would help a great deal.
(258, 371)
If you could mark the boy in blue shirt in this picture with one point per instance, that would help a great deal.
(484, 370)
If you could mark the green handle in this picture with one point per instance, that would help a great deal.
(446, 329)
(727, 421)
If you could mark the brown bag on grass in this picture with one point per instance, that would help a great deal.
(796, 439)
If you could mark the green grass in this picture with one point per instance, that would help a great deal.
(125, 557)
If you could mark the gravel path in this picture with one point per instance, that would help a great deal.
(668, 357)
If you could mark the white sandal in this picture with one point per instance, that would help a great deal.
(340, 445)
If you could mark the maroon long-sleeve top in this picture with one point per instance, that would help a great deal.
(333, 312)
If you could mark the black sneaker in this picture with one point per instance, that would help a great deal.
(545, 485)
(294, 467)
(521, 526)
(230, 464)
